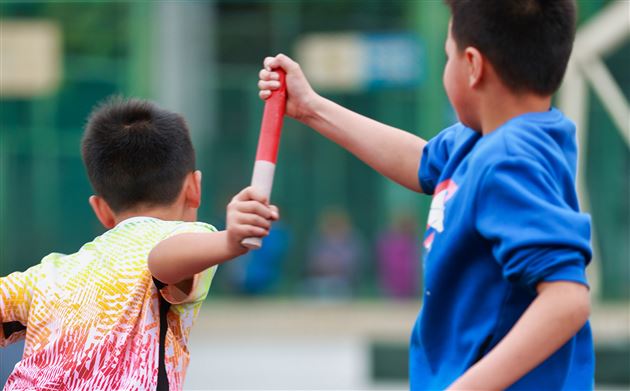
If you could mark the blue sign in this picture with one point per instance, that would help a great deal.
(394, 60)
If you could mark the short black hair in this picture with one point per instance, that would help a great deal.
(136, 153)
(528, 42)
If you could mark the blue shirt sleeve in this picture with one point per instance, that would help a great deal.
(434, 157)
(535, 232)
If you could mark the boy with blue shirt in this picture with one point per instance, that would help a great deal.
(506, 300)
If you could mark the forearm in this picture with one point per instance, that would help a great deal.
(558, 313)
(180, 257)
(392, 152)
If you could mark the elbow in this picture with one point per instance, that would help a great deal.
(571, 301)
(579, 309)
(153, 265)
(156, 266)
(582, 309)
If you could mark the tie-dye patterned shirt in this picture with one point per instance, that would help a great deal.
(92, 318)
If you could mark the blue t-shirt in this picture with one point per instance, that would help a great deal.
(504, 217)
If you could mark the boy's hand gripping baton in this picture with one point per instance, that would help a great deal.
(268, 141)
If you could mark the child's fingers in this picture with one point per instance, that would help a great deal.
(249, 194)
(275, 212)
(267, 75)
(285, 62)
(254, 207)
(248, 231)
(269, 63)
(280, 61)
(264, 94)
(268, 84)
(253, 219)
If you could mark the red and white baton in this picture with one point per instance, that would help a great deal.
(268, 142)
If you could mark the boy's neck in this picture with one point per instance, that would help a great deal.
(162, 213)
(499, 108)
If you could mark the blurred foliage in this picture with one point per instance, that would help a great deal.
(43, 198)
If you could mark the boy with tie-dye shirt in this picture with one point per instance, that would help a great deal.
(117, 313)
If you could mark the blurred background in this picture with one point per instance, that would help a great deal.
(329, 301)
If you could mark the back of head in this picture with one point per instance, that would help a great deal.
(528, 42)
(136, 153)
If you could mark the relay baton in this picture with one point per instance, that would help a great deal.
(268, 141)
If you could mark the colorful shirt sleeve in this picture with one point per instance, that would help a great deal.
(536, 231)
(434, 157)
(201, 281)
(16, 292)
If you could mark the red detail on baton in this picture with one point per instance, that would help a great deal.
(271, 125)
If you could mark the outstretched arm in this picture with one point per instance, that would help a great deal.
(177, 259)
(558, 312)
(392, 152)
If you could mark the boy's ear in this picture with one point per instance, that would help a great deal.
(103, 212)
(192, 192)
(475, 61)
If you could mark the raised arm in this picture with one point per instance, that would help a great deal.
(392, 152)
(178, 258)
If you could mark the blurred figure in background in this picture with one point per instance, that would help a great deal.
(258, 272)
(399, 258)
(334, 257)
